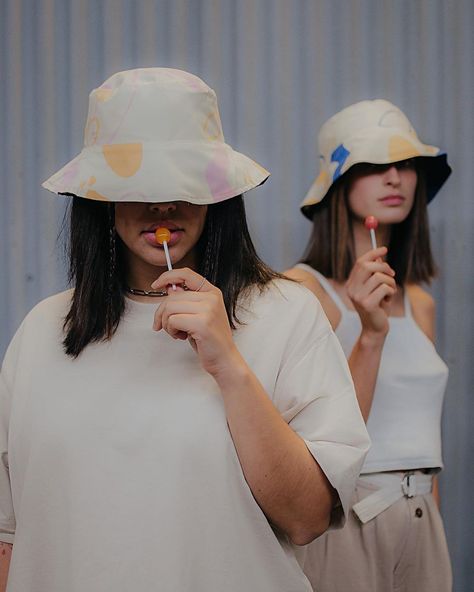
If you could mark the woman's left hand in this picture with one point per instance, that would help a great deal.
(198, 314)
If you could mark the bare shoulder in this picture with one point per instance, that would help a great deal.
(420, 299)
(423, 309)
(311, 282)
(307, 279)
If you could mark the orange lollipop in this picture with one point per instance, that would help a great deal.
(162, 236)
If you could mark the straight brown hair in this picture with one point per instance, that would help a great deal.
(330, 249)
(97, 267)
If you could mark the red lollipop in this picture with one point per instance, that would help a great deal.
(371, 224)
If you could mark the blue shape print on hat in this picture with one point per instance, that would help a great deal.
(339, 155)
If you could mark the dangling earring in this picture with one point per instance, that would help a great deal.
(112, 248)
(210, 256)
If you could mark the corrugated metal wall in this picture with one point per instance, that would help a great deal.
(280, 68)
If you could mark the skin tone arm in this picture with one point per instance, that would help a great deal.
(5, 556)
(435, 492)
(370, 286)
(283, 476)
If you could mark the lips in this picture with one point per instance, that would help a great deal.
(164, 224)
(392, 200)
(175, 231)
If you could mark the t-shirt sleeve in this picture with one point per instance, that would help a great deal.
(315, 395)
(7, 375)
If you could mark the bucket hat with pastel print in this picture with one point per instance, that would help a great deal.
(155, 135)
(373, 132)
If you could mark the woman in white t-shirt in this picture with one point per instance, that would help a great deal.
(374, 165)
(169, 429)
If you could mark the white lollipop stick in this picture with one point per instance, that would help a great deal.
(371, 224)
(162, 235)
(372, 238)
(168, 260)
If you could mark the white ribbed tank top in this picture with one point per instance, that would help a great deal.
(405, 418)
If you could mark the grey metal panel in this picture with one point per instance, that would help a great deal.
(280, 68)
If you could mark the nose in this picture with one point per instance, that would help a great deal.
(163, 208)
(392, 176)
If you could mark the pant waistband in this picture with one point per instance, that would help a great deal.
(392, 487)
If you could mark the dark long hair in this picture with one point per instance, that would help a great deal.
(331, 249)
(97, 267)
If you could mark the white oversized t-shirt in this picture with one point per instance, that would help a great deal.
(118, 470)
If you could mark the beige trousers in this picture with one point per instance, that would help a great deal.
(403, 549)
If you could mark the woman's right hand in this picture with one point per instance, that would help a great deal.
(371, 287)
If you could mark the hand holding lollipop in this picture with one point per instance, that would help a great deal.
(199, 315)
(371, 285)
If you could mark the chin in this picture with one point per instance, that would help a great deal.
(153, 257)
(159, 259)
(395, 217)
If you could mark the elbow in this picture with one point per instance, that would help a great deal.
(315, 520)
(304, 533)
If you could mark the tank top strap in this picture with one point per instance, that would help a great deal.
(407, 304)
(326, 284)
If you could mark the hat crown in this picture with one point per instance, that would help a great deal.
(359, 118)
(155, 135)
(152, 105)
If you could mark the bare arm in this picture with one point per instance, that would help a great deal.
(5, 556)
(284, 477)
(364, 363)
(286, 481)
(435, 492)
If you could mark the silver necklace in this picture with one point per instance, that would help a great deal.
(138, 292)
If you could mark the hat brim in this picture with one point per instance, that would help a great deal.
(201, 173)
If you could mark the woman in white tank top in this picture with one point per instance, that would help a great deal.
(373, 164)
